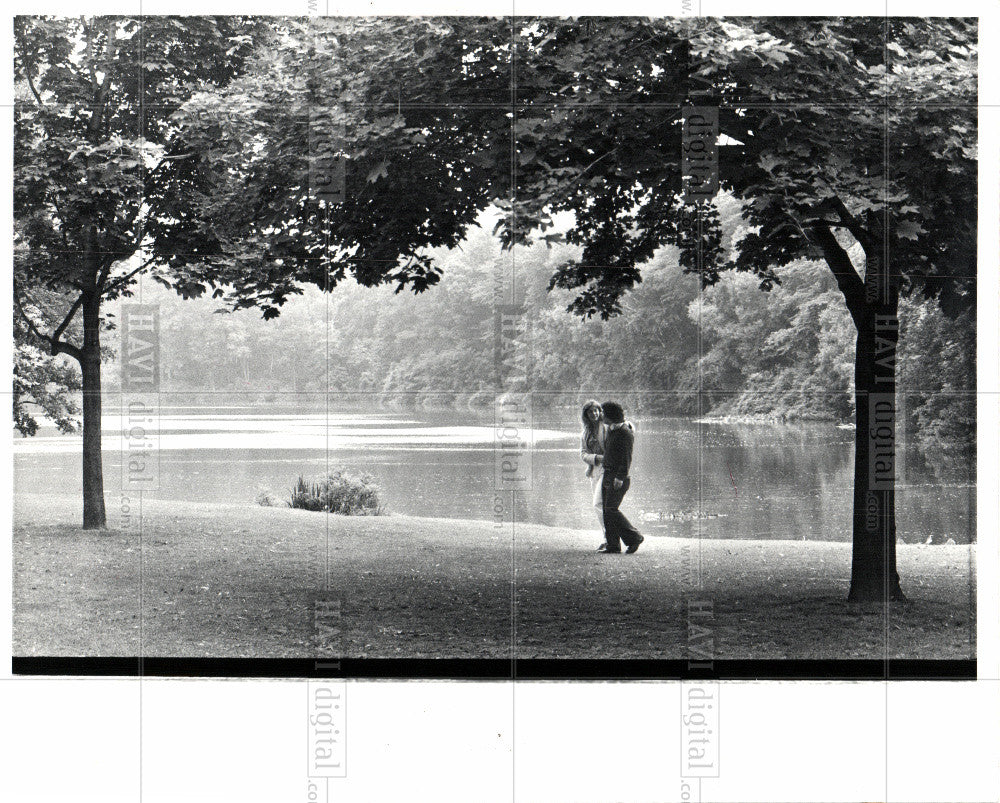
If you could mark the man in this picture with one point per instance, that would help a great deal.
(617, 462)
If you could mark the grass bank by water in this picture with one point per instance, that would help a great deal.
(228, 580)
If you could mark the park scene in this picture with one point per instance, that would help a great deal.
(309, 314)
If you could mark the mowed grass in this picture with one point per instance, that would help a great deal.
(227, 580)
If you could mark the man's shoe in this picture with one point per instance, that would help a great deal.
(605, 549)
(634, 546)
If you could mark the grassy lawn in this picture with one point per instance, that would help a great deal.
(227, 580)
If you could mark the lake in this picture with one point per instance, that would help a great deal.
(713, 480)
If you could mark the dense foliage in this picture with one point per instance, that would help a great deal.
(784, 354)
(43, 385)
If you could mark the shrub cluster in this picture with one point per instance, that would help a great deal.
(340, 492)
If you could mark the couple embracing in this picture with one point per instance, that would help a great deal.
(606, 448)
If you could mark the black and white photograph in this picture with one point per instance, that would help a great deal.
(537, 379)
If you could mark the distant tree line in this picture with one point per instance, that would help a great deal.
(785, 355)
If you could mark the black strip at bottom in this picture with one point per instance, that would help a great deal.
(498, 669)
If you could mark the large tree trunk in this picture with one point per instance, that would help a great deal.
(874, 306)
(873, 570)
(94, 517)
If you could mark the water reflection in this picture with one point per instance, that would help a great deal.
(689, 479)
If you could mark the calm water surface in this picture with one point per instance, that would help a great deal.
(708, 480)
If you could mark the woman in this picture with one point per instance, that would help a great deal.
(592, 451)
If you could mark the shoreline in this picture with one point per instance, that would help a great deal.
(769, 420)
(64, 501)
(479, 402)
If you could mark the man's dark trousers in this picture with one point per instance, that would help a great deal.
(617, 528)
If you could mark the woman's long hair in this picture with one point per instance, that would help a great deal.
(590, 427)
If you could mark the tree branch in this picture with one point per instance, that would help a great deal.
(62, 347)
(30, 63)
(122, 281)
(102, 277)
(850, 283)
(88, 30)
(852, 224)
(31, 86)
(587, 168)
(164, 161)
(31, 324)
(69, 317)
(98, 115)
(56, 346)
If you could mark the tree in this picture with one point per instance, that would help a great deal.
(836, 132)
(839, 131)
(95, 98)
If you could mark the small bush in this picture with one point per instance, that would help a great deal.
(265, 498)
(340, 492)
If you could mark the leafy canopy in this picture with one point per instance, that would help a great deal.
(835, 131)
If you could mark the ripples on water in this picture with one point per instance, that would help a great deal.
(712, 480)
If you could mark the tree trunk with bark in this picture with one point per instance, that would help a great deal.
(94, 516)
(873, 303)
(874, 577)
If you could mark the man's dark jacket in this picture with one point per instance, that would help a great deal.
(618, 453)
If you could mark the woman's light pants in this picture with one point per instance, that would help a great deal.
(595, 483)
